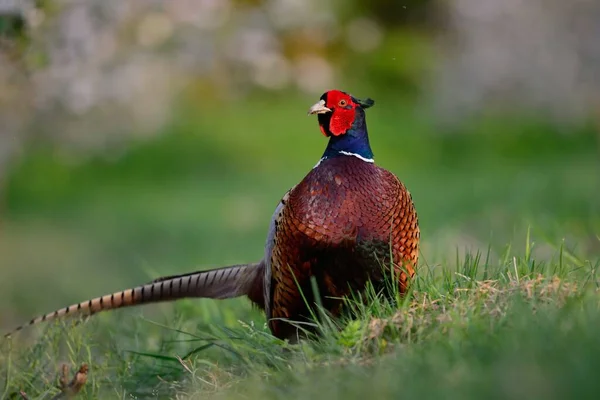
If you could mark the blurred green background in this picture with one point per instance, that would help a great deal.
(142, 139)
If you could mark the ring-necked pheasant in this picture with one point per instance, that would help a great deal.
(340, 225)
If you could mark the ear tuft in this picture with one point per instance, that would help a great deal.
(366, 103)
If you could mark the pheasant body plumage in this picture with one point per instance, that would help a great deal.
(344, 224)
(340, 225)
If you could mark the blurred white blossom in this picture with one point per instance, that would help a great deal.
(540, 55)
(290, 14)
(272, 72)
(111, 69)
(313, 74)
(154, 29)
(202, 14)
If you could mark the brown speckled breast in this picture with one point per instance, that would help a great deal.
(338, 225)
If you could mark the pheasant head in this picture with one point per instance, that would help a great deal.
(341, 117)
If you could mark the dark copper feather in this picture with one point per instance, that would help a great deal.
(340, 224)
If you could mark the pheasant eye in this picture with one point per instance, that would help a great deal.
(342, 103)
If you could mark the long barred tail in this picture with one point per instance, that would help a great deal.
(220, 283)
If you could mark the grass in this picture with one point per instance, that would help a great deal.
(505, 328)
(486, 319)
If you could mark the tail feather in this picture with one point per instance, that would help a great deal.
(220, 283)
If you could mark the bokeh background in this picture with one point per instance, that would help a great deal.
(148, 137)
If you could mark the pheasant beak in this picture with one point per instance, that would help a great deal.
(319, 108)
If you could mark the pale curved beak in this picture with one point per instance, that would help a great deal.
(319, 108)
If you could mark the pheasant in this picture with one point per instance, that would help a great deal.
(347, 222)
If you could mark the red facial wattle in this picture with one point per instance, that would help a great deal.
(341, 121)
